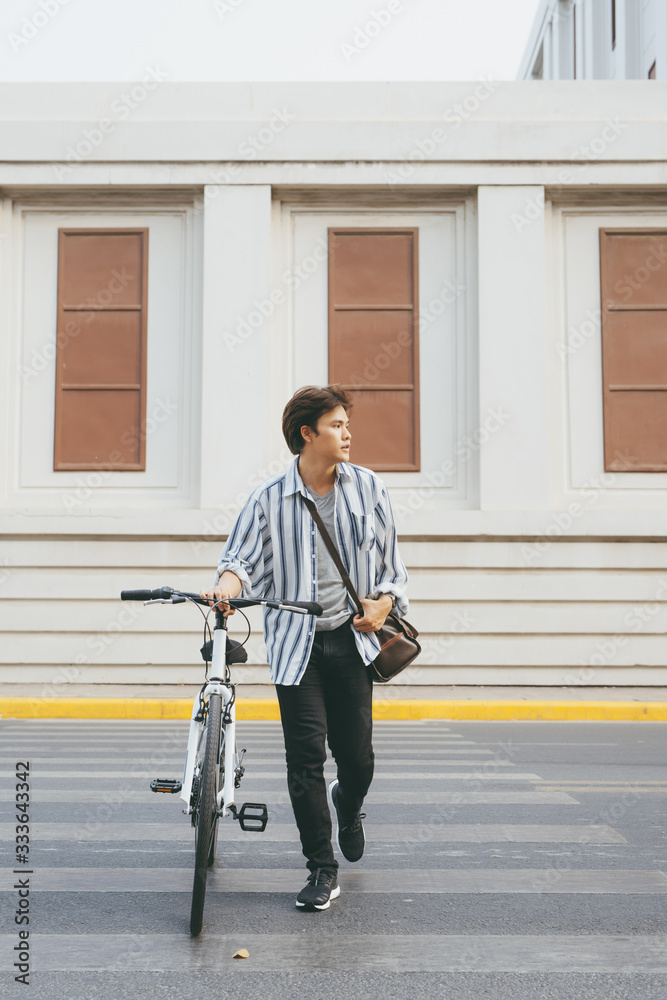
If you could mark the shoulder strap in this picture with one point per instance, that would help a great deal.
(333, 551)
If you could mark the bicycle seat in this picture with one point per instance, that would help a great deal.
(236, 652)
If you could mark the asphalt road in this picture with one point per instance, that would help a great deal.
(504, 860)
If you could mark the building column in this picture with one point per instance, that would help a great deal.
(555, 45)
(588, 31)
(236, 319)
(661, 41)
(512, 349)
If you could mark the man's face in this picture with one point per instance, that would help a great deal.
(332, 442)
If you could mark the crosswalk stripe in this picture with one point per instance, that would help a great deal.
(588, 789)
(376, 833)
(437, 756)
(293, 953)
(395, 776)
(261, 742)
(408, 796)
(405, 880)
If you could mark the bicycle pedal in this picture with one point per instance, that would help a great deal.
(253, 816)
(166, 785)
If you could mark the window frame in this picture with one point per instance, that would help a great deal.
(413, 231)
(62, 309)
(610, 465)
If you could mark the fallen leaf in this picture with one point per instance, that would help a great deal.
(241, 953)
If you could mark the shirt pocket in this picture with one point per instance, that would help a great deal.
(366, 531)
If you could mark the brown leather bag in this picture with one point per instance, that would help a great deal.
(398, 639)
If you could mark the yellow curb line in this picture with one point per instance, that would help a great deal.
(383, 709)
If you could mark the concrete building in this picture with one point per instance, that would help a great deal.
(176, 259)
(597, 40)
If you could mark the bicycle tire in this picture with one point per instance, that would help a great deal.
(207, 816)
(220, 770)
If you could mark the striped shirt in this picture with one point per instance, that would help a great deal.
(273, 550)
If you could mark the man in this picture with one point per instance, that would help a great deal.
(319, 665)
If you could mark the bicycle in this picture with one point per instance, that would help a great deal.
(213, 767)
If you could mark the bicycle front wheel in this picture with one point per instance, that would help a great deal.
(207, 812)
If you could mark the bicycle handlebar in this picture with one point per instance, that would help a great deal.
(142, 595)
(171, 596)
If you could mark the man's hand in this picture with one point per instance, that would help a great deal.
(229, 585)
(375, 613)
(218, 594)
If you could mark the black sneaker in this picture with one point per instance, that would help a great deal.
(350, 835)
(321, 887)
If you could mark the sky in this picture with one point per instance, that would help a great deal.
(263, 40)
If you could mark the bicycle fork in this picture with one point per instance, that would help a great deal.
(252, 816)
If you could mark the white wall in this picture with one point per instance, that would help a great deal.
(541, 592)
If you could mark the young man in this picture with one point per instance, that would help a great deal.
(319, 665)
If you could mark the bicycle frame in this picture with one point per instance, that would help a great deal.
(219, 682)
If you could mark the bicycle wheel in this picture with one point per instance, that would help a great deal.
(207, 815)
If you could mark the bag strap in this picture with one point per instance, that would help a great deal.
(333, 552)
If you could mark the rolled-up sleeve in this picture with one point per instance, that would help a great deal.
(248, 550)
(391, 576)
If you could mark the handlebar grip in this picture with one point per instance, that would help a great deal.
(310, 606)
(144, 595)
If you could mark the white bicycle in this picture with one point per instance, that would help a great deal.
(213, 766)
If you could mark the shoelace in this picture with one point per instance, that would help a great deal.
(353, 827)
(320, 876)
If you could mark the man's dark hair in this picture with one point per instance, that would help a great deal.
(306, 407)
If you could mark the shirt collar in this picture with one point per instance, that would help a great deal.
(295, 484)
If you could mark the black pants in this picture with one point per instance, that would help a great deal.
(334, 702)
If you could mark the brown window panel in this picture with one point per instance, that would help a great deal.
(633, 295)
(373, 341)
(100, 409)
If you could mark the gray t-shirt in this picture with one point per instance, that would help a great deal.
(331, 592)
